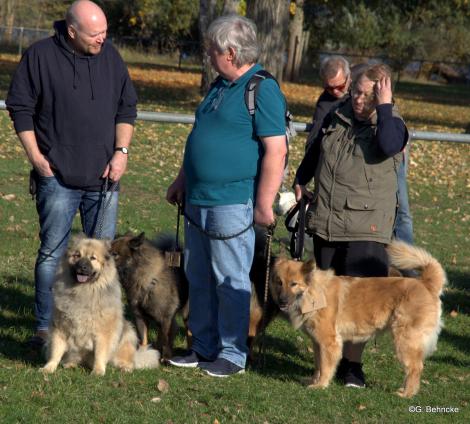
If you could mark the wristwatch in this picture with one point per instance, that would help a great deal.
(124, 150)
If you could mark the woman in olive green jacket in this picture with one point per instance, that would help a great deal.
(354, 161)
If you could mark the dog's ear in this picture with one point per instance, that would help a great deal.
(107, 245)
(79, 236)
(309, 267)
(136, 242)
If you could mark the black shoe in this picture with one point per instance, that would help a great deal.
(221, 368)
(190, 360)
(354, 376)
(38, 341)
(342, 369)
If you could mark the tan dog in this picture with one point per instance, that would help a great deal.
(334, 309)
(88, 325)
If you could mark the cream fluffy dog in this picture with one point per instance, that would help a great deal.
(88, 325)
(333, 309)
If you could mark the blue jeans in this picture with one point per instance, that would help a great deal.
(219, 282)
(404, 222)
(57, 206)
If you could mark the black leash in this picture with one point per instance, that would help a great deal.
(211, 235)
(298, 230)
(104, 205)
(269, 238)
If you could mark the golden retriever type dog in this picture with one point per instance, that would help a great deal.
(155, 291)
(333, 309)
(88, 325)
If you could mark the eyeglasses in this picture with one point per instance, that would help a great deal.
(339, 87)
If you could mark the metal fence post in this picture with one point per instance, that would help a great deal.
(20, 45)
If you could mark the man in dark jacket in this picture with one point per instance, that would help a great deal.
(73, 107)
(336, 78)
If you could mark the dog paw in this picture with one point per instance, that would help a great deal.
(317, 385)
(69, 365)
(403, 394)
(100, 371)
(48, 368)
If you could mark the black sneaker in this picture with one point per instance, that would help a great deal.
(342, 369)
(221, 368)
(354, 376)
(38, 341)
(190, 360)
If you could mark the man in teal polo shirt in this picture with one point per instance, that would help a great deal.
(232, 170)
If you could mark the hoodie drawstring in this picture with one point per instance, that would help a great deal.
(91, 80)
(74, 72)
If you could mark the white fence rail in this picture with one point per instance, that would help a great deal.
(180, 118)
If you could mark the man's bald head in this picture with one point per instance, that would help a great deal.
(86, 26)
(82, 11)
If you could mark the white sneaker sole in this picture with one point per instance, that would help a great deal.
(224, 375)
(356, 386)
(182, 365)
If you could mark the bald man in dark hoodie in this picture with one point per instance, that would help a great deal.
(73, 106)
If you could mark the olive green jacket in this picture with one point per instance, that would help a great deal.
(355, 183)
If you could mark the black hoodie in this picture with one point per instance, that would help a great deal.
(73, 103)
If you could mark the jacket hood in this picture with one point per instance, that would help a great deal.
(62, 39)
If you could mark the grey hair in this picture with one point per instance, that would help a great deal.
(330, 66)
(238, 33)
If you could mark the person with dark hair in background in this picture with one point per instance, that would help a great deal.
(232, 169)
(354, 162)
(73, 106)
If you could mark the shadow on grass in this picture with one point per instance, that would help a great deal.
(458, 297)
(15, 323)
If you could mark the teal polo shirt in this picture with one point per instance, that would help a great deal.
(223, 153)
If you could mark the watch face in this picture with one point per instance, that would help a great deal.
(123, 150)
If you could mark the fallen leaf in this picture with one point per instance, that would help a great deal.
(9, 197)
(453, 313)
(361, 407)
(163, 386)
(156, 399)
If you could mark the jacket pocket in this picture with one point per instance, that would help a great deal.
(363, 216)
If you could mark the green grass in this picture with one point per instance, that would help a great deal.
(276, 393)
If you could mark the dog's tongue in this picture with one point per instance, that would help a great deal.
(82, 278)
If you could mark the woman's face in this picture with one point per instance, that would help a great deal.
(363, 99)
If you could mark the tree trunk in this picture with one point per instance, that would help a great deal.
(296, 43)
(230, 6)
(9, 19)
(272, 19)
(207, 13)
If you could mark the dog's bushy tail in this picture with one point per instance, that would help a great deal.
(407, 257)
(146, 357)
(164, 242)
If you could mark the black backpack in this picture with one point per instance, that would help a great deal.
(251, 91)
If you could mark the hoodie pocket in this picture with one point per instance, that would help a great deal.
(79, 166)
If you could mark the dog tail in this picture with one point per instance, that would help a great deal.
(407, 257)
(164, 242)
(146, 357)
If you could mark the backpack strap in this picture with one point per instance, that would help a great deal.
(252, 87)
